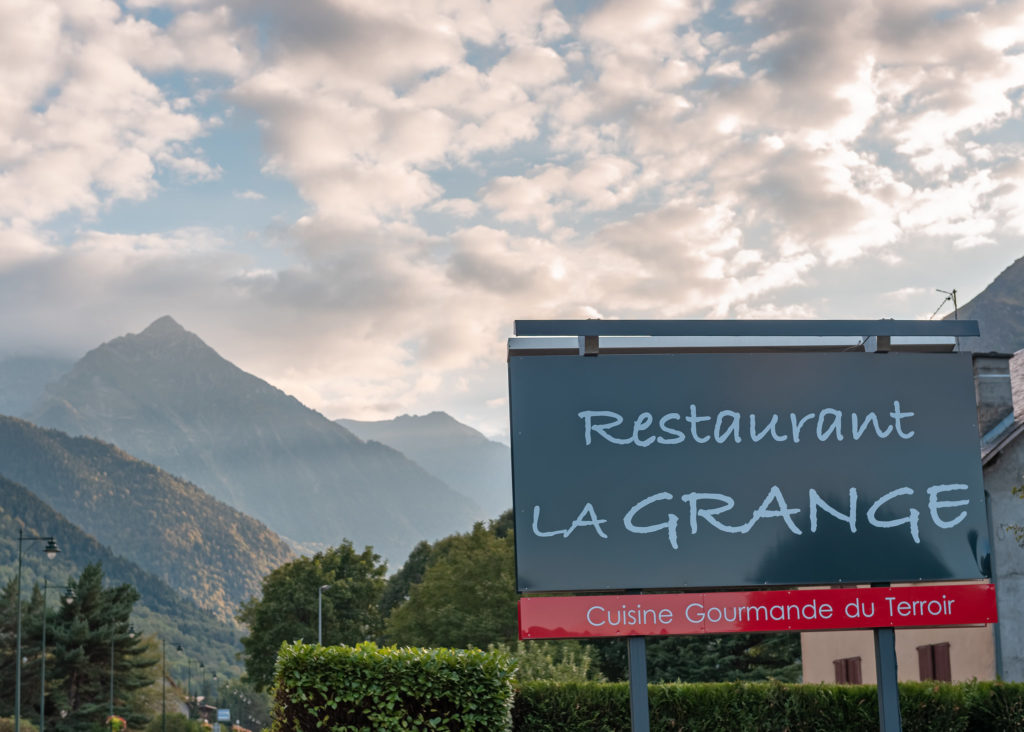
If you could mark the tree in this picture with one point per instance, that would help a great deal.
(31, 624)
(423, 554)
(400, 583)
(288, 608)
(693, 658)
(83, 634)
(467, 596)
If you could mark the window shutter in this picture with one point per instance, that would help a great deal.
(941, 664)
(853, 670)
(925, 662)
(847, 670)
(840, 667)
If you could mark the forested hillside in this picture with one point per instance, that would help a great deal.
(161, 610)
(193, 542)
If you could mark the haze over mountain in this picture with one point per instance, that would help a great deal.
(999, 310)
(160, 608)
(23, 379)
(208, 550)
(166, 397)
(478, 468)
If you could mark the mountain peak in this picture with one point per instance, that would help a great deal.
(165, 396)
(164, 336)
(163, 327)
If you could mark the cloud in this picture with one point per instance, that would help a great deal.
(20, 245)
(84, 125)
(462, 163)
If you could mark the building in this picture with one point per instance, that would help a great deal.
(962, 653)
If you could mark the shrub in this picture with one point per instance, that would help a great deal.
(342, 688)
(973, 707)
(552, 660)
(176, 722)
(7, 725)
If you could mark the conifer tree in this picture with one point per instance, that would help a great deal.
(83, 634)
(31, 624)
(7, 646)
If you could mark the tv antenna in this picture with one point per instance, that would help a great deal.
(950, 297)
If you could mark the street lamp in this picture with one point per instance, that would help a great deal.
(51, 551)
(188, 687)
(320, 614)
(69, 597)
(163, 674)
(113, 637)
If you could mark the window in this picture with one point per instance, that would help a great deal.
(848, 670)
(934, 663)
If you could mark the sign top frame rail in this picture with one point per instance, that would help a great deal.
(791, 328)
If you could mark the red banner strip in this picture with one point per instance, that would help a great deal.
(595, 616)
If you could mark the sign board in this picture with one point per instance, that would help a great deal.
(223, 715)
(714, 470)
(760, 611)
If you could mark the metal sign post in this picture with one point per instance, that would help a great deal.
(888, 690)
(639, 707)
(887, 672)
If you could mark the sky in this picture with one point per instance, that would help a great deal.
(355, 199)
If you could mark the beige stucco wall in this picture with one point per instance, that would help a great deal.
(971, 652)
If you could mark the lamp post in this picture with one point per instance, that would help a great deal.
(188, 686)
(202, 686)
(163, 674)
(69, 597)
(320, 614)
(51, 551)
(113, 637)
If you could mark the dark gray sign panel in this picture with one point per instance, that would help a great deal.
(743, 470)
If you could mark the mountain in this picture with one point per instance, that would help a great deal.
(476, 467)
(166, 397)
(999, 310)
(23, 379)
(196, 544)
(160, 609)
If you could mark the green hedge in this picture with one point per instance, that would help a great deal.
(342, 688)
(588, 707)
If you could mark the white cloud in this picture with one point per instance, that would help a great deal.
(463, 163)
(462, 207)
(20, 244)
(84, 126)
(529, 67)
